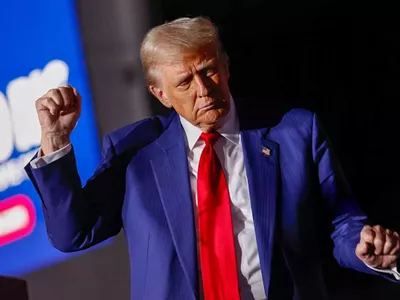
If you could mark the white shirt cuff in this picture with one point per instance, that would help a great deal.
(392, 271)
(42, 161)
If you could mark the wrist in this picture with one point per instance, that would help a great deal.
(52, 142)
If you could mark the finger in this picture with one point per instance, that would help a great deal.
(78, 100)
(56, 95)
(75, 91)
(47, 104)
(67, 96)
(380, 239)
(367, 234)
(364, 252)
(396, 247)
(390, 242)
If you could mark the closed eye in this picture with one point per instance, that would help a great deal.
(210, 71)
(184, 81)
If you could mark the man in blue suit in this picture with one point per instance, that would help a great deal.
(211, 208)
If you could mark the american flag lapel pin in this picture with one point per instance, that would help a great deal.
(266, 151)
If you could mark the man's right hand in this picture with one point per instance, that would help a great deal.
(58, 112)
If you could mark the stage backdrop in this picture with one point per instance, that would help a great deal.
(40, 49)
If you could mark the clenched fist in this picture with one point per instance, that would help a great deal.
(58, 112)
(378, 247)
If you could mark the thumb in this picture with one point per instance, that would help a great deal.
(365, 252)
(363, 249)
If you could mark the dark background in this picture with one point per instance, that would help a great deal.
(338, 59)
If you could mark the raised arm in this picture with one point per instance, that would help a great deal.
(76, 216)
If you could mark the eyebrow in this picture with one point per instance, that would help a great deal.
(205, 64)
(202, 65)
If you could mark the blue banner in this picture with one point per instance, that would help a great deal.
(40, 49)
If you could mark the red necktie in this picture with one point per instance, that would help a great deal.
(217, 248)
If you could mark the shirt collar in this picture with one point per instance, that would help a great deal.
(229, 129)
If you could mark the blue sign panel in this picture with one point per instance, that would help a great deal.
(40, 49)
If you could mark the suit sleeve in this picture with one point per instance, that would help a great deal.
(78, 217)
(347, 217)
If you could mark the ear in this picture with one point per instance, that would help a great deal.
(159, 94)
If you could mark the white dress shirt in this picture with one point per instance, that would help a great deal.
(229, 150)
(230, 153)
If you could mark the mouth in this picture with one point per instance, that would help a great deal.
(207, 106)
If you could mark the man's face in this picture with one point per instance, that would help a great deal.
(196, 86)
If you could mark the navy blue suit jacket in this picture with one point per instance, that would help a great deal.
(142, 186)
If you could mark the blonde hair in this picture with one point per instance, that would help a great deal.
(165, 42)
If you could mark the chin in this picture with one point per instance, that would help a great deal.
(214, 116)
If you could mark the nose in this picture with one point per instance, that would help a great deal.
(203, 86)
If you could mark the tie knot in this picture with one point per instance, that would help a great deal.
(210, 137)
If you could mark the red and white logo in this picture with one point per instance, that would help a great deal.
(17, 218)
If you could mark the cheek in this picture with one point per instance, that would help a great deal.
(185, 106)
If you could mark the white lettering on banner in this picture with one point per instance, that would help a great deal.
(22, 94)
(6, 131)
(19, 125)
(12, 172)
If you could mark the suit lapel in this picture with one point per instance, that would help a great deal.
(261, 158)
(172, 178)
(170, 168)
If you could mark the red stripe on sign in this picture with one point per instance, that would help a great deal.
(17, 218)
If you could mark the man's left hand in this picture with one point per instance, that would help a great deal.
(378, 247)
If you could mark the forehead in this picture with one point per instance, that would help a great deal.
(184, 61)
(189, 64)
